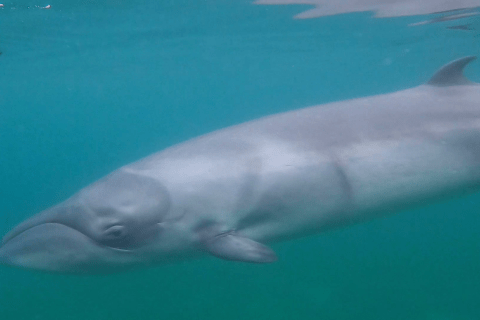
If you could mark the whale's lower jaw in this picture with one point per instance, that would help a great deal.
(53, 247)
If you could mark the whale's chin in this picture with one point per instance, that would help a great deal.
(54, 247)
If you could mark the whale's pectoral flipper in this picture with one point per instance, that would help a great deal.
(451, 74)
(230, 246)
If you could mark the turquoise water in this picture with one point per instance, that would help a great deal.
(86, 87)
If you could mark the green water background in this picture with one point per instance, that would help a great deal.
(86, 87)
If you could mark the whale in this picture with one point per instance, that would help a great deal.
(233, 192)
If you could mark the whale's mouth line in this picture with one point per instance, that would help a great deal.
(5, 242)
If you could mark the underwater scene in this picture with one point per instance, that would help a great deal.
(366, 206)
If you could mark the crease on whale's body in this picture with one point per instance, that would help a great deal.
(230, 192)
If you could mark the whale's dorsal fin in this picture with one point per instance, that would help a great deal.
(451, 74)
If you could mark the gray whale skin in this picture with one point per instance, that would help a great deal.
(231, 192)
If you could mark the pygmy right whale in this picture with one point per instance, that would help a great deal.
(231, 192)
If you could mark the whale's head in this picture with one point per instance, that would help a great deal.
(116, 223)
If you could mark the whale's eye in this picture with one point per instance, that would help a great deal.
(116, 237)
(114, 233)
(126, 236)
